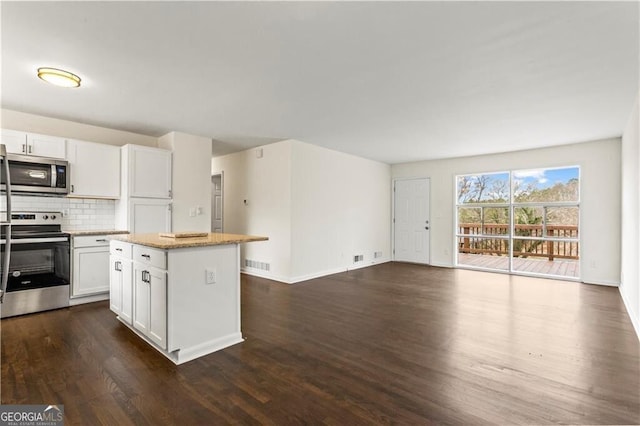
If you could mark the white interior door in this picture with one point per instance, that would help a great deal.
(216, 201)
(411, 220)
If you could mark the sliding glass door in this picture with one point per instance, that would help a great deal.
(521, 221)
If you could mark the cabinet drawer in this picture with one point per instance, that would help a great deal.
(150, 256)
(90, 241)
(120, 248)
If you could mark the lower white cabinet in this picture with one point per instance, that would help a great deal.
(186, 300)
(121, 290)
(90, 266)
(150, 303)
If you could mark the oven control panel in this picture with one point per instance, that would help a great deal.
(35, 218)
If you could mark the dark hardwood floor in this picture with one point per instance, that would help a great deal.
(394, 343)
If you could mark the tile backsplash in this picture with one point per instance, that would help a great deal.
(79, 214)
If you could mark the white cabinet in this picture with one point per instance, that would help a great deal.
(145, 198)
(46, 146)
(177, 306)
(148, 215)
(150, 303)
(24, 143)
(90, 265)
(146, 172)
(121, 281)
(95, 169)
(16, 142)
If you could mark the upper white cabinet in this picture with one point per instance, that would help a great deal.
(146, 172)
(95, 169)
(46, 146)
(16, 142)
(34, 144)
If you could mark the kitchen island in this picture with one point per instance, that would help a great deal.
(180, 294)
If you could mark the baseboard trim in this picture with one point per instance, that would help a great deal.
(302, 278)
(604, 283)
(634, 321)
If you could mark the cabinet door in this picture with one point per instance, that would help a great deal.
(146, 215)
(126, 310)
(46, 146)
(141, 299)
(158, 311)
(121, 296)
(150, 303)
(16, 142)
(115, 284)
(95, 169)
(90, 271)
(149, 172)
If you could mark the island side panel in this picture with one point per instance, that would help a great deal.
(202, 314)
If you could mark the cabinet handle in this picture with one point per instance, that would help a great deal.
(30, 149)
(24, 148)
(73, 188)
(102, 240)
(146, 277)
(118, 266)
(169, 193)
(118, 249)
(148, 257)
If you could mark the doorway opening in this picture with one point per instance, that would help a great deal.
(217, 201)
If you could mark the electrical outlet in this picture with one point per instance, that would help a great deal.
(192, 212)
(199, 210)
(210, 275)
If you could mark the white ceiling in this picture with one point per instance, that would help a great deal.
(390, 81)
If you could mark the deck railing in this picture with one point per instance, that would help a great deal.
(476, 238)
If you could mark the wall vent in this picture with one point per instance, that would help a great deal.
(254, 264)
(358, 258)
(377, 254)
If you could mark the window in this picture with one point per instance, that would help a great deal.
(524, 221)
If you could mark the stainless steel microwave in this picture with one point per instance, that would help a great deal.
(36, 175)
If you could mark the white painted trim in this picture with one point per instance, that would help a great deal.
(599, 282)
(188, 354)
(634, 321)
(88, 299)
(442, 265)
(183, 355)
(266, 275)
(326, 272)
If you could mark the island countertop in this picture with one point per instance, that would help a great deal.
(211, 239)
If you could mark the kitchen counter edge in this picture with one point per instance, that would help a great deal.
(211, 239)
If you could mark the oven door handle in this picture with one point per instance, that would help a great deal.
(37, 240)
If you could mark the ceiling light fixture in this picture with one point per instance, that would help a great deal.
(59, 77)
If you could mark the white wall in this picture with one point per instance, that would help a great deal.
(15, 120)
(599, 163)
(191, 181)
(265, 184)
(318, 207)
(630, 268)
(340, 208)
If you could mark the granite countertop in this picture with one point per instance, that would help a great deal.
(83, 233)
(211, 239)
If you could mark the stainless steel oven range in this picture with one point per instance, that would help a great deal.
(39, 263)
